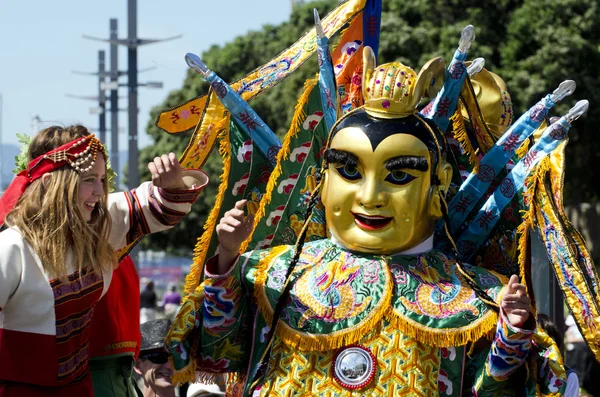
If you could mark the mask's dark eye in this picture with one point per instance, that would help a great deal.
(349, 172)
(399, 177)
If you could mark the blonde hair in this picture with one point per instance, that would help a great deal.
(49, 218)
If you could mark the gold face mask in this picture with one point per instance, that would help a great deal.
(380, 201)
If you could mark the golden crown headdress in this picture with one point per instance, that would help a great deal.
(393, 90)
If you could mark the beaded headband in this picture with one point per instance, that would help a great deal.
(74, 155)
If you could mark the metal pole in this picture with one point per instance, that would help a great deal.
(133, 178)
(101, 97)
(132, 83)
(114, 100)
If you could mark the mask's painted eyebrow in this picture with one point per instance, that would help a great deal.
(334, 156)
(418, 163)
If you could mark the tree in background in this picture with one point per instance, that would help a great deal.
(532, 44)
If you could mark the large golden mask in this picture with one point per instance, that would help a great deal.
(383, 158)
(377, 189)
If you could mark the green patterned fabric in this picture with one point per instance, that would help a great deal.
(339, 298)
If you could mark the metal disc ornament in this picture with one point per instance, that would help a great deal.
(354, 367)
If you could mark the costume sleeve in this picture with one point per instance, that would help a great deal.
(508, 352)
(213, 330)
(11, 266)
(551, 375)
(226, 330)
(150, 209)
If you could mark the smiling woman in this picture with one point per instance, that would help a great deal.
(91, 188)
(61, 236)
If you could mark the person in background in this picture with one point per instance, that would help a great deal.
(115, 327)
(148, 303)
(552, 330)
(153, 364)
(171, 301)
(58, 252)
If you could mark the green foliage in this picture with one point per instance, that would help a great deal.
(532, 44)
(549, 41)
(21, 159)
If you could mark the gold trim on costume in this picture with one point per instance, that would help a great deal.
(119, 345)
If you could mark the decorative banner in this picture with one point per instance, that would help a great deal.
(477, 183)
(203, 112)
(280, 216)
(245, 174)
(490, 213)
(567, 253)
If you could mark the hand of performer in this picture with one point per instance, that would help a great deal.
(515, 302)
(167, 172)
(233, 229)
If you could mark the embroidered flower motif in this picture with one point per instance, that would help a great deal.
(398, 273)
(207, 363)
(357, 80)
(444, 384)
(371, 272)
(276, 278)
(487, 279)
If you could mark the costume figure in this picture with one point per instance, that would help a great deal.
(357, 295)
(46, 308)
(375, 308)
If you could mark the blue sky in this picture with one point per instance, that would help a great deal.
(41, 44)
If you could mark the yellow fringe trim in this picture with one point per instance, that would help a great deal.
(189, 374)
(523, 149)
(193, 278)
(486, 139)
(312, 342)
(284, 152)
(444, 337)
(523, 235)
(263, 267)
(533, 180)
(460, 134)
(185, 375)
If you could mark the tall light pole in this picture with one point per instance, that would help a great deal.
(102, 96)
(132, 43)
(100, 110)
(114, 99)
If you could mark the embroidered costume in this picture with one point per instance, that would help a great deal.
(355, 277)
(45, 322)
(412, 313)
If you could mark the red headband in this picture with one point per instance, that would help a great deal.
(76, 153)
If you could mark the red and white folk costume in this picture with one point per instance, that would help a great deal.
(44, 322)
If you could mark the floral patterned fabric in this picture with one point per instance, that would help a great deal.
(416, 314)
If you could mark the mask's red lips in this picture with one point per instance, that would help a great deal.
(371, 222)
